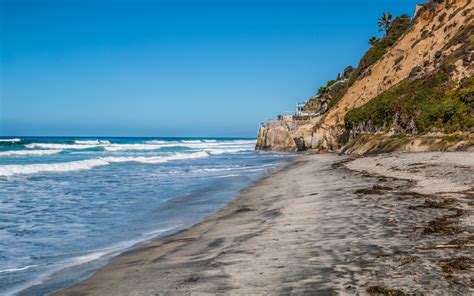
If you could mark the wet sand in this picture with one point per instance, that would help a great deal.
(320, 228)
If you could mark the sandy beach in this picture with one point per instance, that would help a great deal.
(327, 224)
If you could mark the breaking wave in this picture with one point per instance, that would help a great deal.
(17, 269)
(91, 142)
(60, 146)
(213, 146)
(15, 140)
(191, 141)
(10, 170)
(29, 152)
(130, 147)
(156, 142)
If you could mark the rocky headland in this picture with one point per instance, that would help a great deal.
(413, 90)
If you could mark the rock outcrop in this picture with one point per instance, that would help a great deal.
(275, 136)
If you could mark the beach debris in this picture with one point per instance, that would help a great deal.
(390, 221)
(244, 209)
(385, 291)
(409, 260)
(442, 204)
(454, 246)
(441, 226)
(191, 279)
(458, 263)
(376, 189)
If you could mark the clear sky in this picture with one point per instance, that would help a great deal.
(172, 68)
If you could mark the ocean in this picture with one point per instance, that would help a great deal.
(67, 205)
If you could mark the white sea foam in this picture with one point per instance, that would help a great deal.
(156, 142)
(89, 145)
(222, 151)
(29, 152)
(10, 170)
(217, 169)
(15, 140)
(17, 269)
(60, 146)
(226, 176)
(157, 159)
(234, 168)
(91, 142)
(130, 147)
(212, 145)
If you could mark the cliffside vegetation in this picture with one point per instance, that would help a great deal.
(394, 29)
(412, 88)
(330, 93)
(420, 105)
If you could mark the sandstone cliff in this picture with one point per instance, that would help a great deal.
(275, 136)
(438, 40)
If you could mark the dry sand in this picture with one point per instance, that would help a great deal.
(317, 228)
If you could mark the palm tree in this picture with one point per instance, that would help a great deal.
(384, 22)
(373, 40)
(322, 90)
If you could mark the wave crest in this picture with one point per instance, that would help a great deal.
(10, 170)
(15, 140)
(91, 142)
(59, 146)
(29, 152)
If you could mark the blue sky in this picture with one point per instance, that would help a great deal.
(172, 68)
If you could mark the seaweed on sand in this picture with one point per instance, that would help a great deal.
(385, 291)
(376, 189)
(451, 265)
(442, 226)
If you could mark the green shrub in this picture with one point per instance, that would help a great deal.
(330, 83)
(399, 26)
(430, 101)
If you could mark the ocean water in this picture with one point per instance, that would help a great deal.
(67, 205)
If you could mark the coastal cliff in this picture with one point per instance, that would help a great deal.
(412, 90)
(276, 136)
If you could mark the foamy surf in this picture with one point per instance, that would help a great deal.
(191, 141)
(22, 169)
(10, 170)
(17, 269)
(212, 145)
(222, 151)
(157, 142)
(15, 140)
(132, 147)
(91, 142)
(61, 146)
(29, 152)
(106, 189)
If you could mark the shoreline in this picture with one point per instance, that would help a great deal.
(312, 227)
(144, 244)
(63, 277)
